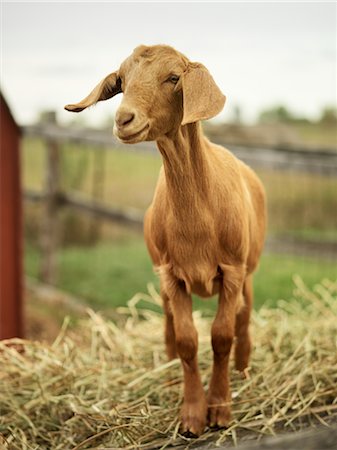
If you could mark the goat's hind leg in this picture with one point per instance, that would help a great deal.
(170, 336)
(243, 340)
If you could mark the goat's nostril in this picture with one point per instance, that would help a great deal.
(124, 118)
(128, 118)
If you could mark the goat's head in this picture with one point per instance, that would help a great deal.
(162, 90)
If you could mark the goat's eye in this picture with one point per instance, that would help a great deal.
(173, 79)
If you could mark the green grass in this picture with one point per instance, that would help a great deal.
(273, 279)
(106, 275)
(314, 234)
(110, 273)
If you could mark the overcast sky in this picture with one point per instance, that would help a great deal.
(260, 54)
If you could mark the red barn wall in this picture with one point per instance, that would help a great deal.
(11, 286)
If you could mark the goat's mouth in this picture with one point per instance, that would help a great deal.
(134, 137)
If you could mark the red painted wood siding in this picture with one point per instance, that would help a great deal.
(11, 285)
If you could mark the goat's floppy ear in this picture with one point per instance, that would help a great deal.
(202, 99)
(107, 88)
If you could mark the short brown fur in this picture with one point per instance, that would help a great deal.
(205, 227)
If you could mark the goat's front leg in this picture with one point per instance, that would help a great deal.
(194, 408)
(219, 396)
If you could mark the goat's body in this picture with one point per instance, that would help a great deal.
(205, 227)
(221, 222)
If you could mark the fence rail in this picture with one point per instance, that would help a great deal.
(52, 198)
(313, 161)
(129, 216)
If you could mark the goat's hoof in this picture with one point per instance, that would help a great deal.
(219, 415)
(243, 371)
(189, 434)
(193, 419)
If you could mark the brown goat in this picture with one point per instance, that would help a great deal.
(206, 225)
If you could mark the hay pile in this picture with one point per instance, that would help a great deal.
(106, 386)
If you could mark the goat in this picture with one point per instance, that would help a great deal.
(205, 227)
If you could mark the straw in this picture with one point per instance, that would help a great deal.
(108, 385)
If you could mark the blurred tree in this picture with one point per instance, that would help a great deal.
(276, 114)
(47, 116)
(329, 116)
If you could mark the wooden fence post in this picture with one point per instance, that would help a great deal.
(97, 189)
(49, 237)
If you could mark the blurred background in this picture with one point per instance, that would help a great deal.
(84, 194)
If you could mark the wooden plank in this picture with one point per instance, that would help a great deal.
(314, 439)
(103, 139)
(129, 216)
(324, 163)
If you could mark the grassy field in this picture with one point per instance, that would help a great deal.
(110, 273)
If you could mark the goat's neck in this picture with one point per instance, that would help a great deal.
(186, 167)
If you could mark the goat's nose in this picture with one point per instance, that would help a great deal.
(124, 118)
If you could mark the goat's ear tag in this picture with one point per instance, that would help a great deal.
(107, 88)
(202, 98)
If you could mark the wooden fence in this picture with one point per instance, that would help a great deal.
(315, 162)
